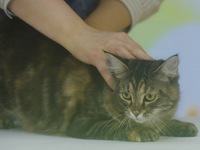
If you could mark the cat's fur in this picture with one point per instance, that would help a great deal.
(44, 89)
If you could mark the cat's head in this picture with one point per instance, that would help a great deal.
(146, 90)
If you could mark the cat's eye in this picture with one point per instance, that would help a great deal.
(126, 96)
(150, 97)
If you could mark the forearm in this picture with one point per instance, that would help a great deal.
(53, 18)
(116, 15)
(110, 15)
(56, 20)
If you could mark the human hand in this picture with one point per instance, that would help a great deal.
(89, 45)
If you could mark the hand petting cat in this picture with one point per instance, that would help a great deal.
(93, 43)
(87, 40)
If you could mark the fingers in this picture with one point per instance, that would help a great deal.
(121, 51)
(122, 45)
(106, 74)
(101, 63)
(136, 50)
(119, 44)
(93, 43)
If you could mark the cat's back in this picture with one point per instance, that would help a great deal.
(35, 70)
(40, 82)
(22, 47)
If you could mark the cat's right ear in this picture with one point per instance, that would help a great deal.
(170, 66)
(116, 66)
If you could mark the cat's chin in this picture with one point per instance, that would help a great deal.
(139, 120)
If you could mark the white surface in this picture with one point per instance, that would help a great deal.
(20, 140)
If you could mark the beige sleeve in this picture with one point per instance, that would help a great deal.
(4, 6)
(141, 9)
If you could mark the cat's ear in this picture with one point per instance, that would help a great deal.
(170, 66)
(116, 66)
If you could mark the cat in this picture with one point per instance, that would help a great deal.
(44, 89)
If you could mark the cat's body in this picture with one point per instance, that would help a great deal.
(44, 89)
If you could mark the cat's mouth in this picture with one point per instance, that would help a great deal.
(139, 118)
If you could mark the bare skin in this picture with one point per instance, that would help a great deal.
(86, 40)
(110, 15)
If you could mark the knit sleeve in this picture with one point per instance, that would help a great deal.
(4, 6)
(141, 9)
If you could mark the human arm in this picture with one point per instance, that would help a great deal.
(56, 20)
(110, 15)
(117, 15)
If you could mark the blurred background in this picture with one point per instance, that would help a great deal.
(175, 29)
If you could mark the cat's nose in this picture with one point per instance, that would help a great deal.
(136, 113)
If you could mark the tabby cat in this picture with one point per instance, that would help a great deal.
(46, 90)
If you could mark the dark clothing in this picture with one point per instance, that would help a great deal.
(83, 7)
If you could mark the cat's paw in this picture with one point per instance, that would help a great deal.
(186, 130)
(181, 129)
(145, 135)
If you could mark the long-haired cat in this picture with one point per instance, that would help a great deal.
(46, 90)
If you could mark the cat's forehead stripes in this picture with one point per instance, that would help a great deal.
(141, 88)
(140, 70)
(138, 87)
(130, 87)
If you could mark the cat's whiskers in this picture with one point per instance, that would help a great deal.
(121, 124)
(129, 124)
(101, 106)
(158, 123)
(166, 128)
(123, 121)
(108, 124)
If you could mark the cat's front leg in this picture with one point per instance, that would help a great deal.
(114, 132)
(144, 135)
(96, 128)
(178, 128)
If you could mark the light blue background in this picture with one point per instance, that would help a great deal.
(175, 29)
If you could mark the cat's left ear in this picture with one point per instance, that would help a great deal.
(170, 66)
(116, 66)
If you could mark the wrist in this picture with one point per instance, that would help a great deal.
(72, 38)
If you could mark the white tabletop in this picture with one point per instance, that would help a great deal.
(20, 140)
